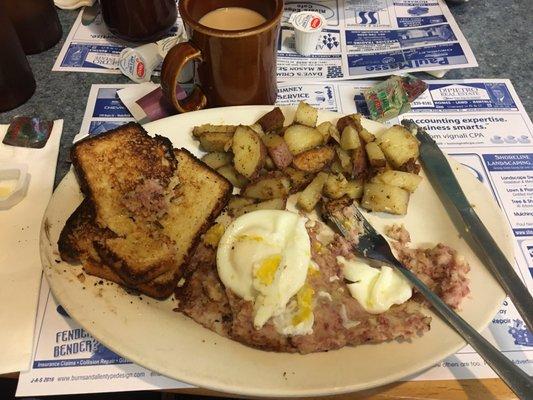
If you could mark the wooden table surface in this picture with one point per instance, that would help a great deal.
(471, 389)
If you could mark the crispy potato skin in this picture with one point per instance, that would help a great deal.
(360, 164)
(217, 159)
(405, 180)
(314, 160)
(312, 193)
(386, 198)
(215, 141)
(299, 179)
(300, 138)
(306, 115)
(249, 152)
(272, 121)
(399, 146)
(209, 128)
(229, 172)
(278, 150)
(269, 186)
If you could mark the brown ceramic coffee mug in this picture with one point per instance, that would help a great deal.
(235, 67)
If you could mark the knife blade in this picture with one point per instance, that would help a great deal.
(443, 180)
(90, 13)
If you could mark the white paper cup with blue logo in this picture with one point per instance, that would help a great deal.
(307, 28)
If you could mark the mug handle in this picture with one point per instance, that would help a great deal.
(175, 60)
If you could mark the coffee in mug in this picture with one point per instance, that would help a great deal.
(232, 18)
(234, 46)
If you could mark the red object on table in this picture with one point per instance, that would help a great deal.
(17, 84)
(36, 23)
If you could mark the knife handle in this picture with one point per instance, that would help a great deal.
(500, 267)
(512, 375)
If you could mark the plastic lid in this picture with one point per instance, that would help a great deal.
(14, 180)
(308, 21)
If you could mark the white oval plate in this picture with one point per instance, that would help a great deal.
(150, 334)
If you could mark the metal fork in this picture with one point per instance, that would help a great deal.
(375, 247)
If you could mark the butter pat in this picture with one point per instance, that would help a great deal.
(14, 181)
(375, 289)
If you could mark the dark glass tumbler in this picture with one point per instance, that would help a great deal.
(139, 20)
(36, 23)
(17, 84)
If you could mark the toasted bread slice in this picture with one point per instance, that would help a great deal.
(76, 244)
(129, 178)
(200, 197)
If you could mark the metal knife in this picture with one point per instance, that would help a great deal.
(90, 13)
(466, 220)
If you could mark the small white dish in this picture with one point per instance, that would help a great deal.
(14, 180)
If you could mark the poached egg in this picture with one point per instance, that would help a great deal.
(264, 257)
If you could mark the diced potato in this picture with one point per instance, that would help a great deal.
(357, 121)
(360, 163)
(399, 146)
(272, 121)
(300, 138)
(269, 164)
(344, 159)
(278, 150)
(312, 193)
(375, 156)
(238, 202)
(306, 115)
(324, 129)
(336, 167)
(270, 186)
(405, 180)
(217, 159)
(386, 198)
(344, 122)
(249, 152)
(335, 186)
(350, 138)
(215, 141)
(354, 189)
(258, 129)
(299, 179)
(200, 130)
(410, 166)
(314, 160)
(273, 204)
(366, 136)
(236, 179)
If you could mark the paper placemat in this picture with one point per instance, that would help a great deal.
(20, 263)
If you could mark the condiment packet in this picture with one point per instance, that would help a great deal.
(139, 63)
(387, 99)
(307, 27)
(413, 86)
(28, 132)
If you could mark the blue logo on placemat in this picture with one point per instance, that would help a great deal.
(418, 10)
(367, 17)
(521, 335)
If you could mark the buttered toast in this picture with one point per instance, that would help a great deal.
(129, 177)
(198, 199)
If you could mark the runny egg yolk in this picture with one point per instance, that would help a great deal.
(263, 257)
(304, 299)
(267, 270)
